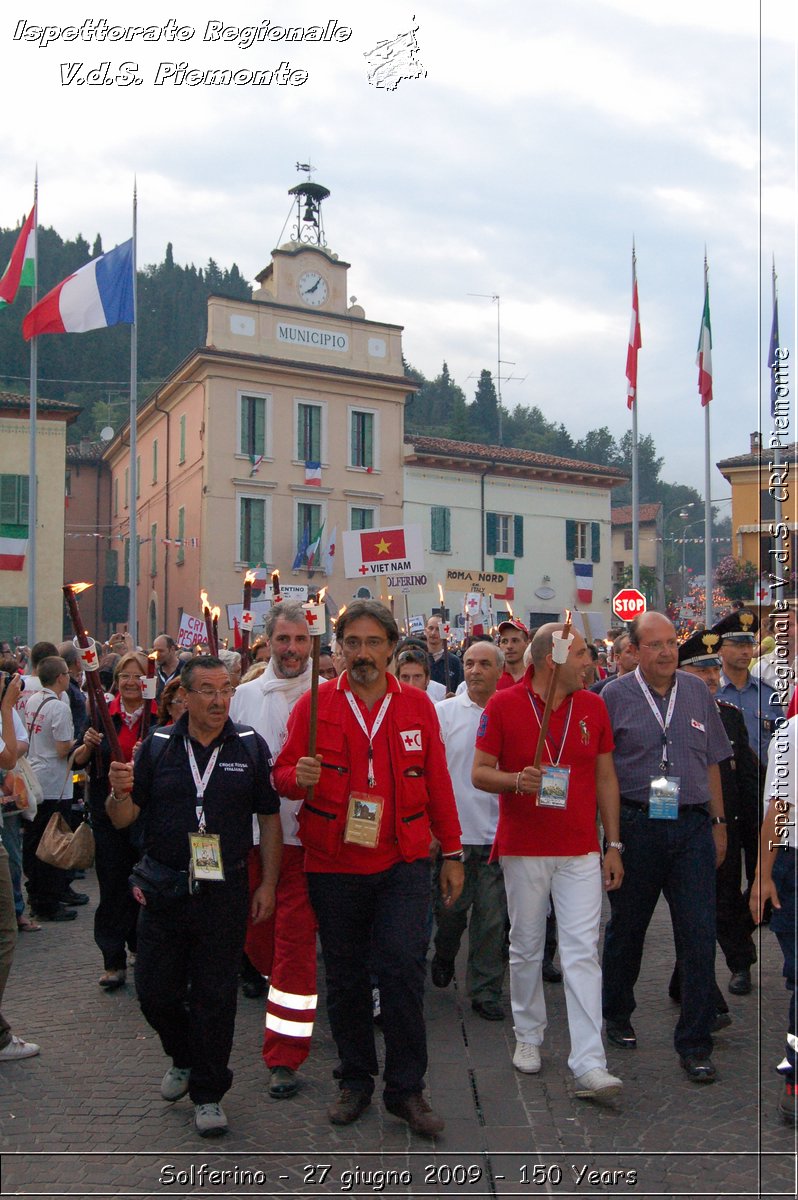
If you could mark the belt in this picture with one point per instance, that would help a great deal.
(683, 808)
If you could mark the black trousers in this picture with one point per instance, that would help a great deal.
(376, 923)
(187, 979)
(115, 854)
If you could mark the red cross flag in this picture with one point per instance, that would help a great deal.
(383, 551)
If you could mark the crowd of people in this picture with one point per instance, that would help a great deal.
(416, 795)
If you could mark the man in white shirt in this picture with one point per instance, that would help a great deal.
(778, 669)
(483, 892)
(265, 703)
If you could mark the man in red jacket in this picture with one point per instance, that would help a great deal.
(374, 794)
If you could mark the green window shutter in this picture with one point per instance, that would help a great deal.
(153, 550)
(111, 565)
(138, 476)
(155, 461)
(182, 455)
(368, 440)
(595, 541)
(490, 533)
(437, 528)
(180, 557)
(570, 540)
(518, 536)
(116, 496)
(127, 562)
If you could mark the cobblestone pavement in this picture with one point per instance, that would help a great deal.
(85, 1117)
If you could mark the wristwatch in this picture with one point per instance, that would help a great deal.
(619, 846)
(455, 856)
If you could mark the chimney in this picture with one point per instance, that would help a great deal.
(756, 442)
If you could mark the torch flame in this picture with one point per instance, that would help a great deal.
(153, 655)
(250, 577)
(440, 593)
(275, 574)
(216, 612)
(204, 601)
(510, 609)
(567, 616)
(341, 611)
(77, 588)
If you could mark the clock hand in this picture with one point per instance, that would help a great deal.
(312, 289)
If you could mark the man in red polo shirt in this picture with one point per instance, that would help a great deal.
(372, 796)
(547, 843)
(513, 641)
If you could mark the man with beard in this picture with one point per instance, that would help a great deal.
(444, 667)
(513, 641)
(285, 950)
(373, 795)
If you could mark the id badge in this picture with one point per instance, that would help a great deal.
(363, 819)
(206, 857)
(553, 791)
(663, 798)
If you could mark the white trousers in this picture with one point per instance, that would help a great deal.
(576, 887)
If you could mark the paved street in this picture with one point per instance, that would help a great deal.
(85, 1118)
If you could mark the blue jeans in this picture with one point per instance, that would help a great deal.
(376, 923)
(783, 924)
(676, 859)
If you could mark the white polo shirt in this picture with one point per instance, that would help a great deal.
(478, 811)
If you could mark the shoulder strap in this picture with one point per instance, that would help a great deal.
(32, 730)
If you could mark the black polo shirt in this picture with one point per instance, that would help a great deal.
(239, 787)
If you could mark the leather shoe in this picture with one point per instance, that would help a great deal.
(489, 1010)
(348, 1107)
(416, 1111)
(75, 899)
(252, 988)
(62, 913)
(112, 979)
(283, 1083)
(441, 971)
(721, 1020)
(699, 1070)
(550, 973)
(740, 982)
(621, 1033)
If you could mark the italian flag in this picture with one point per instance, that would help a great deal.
(506, 566)
(704, 357)
(13, 547)
(21, 269)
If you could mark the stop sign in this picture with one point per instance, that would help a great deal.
(628, 604)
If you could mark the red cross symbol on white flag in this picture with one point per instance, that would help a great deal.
(310, 617)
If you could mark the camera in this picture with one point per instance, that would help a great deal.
(6, 682)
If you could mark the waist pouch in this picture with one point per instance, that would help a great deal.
(160, 885)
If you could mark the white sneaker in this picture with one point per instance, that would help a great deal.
(526, 1058)
(16, 1048)
(598, 1084)
(175, 1083)
(209, 1120)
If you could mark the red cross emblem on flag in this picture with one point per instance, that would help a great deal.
(89, 658)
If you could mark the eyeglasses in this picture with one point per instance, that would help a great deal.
(371, 643)
(670, 644)
(176, 700)
(209, 693)
(125, 678)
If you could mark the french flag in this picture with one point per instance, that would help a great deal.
(98, 295)
(584, 582)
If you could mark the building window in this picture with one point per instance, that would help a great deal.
(116, 496)
(504, 534)
(627, 539)
(181, 456)
(441, 532)
(252, 529)
(618, 569)
(14, 501)
(180, 557)
(155, 461)
(253, 426)
(309, 520)
(153, 550)
(127, 562)
(583, 541)
(111, 565)
(14, 621)
(127, 485)
(361, 518)
(361, 439)
(308, 432)
(138, 476)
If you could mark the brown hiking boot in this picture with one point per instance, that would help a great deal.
(416, 1111)
(348, 1107)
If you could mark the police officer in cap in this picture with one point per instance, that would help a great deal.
(739, 777)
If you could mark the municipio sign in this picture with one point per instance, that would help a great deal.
(628, 604)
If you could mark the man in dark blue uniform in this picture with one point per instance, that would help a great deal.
(198, 784)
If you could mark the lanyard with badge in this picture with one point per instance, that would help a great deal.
(364, 813)
(206, 849)
(554, 779)
(663, 791)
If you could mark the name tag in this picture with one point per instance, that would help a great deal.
(554, 787)
(663, 798)
(206, 857)
(363, 819)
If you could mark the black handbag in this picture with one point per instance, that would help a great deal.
(159, 885)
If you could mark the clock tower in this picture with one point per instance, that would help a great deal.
(304, 273)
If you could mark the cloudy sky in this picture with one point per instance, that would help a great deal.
(541, 139)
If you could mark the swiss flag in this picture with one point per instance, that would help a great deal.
(382, 546)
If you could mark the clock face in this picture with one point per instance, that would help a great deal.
(312, 288)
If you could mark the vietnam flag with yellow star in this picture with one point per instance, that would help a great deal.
(383, 551)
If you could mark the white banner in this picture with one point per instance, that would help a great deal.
(383, 551)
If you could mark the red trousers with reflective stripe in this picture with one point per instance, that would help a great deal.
(284, 948)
